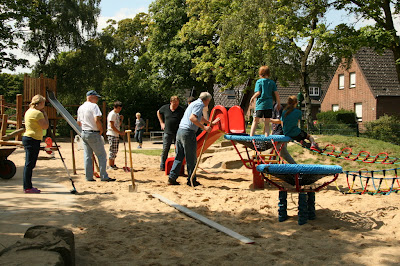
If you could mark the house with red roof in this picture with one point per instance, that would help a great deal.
(369, 86)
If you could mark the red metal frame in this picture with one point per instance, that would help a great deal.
(258, 178)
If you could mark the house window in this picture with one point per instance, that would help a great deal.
(341, 82)
(335, 107)
(358, 111)
(352, 80)
(313, 91)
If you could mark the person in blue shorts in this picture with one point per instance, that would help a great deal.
(290, 118)
(264, 90)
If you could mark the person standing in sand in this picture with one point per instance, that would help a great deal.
(186, 143)
(139, 129)
(170, 116)
(35, 121)
(89, 118)
(113, 132)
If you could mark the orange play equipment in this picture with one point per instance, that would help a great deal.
(231, 121)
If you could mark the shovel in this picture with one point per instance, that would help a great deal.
(95, 174)
(132, 188)
(126, 168)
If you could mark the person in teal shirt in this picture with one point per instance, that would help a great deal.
(290, 118)
(264, 90)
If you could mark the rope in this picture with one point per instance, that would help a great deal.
(378, 183)
(362, 156)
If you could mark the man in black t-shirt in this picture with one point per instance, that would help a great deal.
(170, 116)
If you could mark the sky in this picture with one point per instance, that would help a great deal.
(120, 9)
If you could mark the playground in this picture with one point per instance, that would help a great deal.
(114, 226)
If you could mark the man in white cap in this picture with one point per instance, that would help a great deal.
(89, 118)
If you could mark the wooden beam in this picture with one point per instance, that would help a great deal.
(4, 125)
(204, 220)
(2, 104)
(11, 143)
(19, 115)
(13, 134)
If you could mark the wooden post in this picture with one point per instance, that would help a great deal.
(19, 115)
(54, 126)
(4, 125)
(73, 152)
(2, 104)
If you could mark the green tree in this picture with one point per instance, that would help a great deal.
(287, 35)
(382, 35)
(171, 60)
(56, 24)
(11, 85)
(11, 18)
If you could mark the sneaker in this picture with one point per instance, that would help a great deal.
(139, 147)
(195, 183)
(109, 180)
(173, 182)
(32, 190)
(114, 167)
(90, 180)
(315, 148)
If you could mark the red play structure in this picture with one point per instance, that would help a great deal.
(231, 121)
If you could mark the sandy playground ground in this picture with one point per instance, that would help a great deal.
(113, 226)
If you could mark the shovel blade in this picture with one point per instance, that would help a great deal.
(132, 188)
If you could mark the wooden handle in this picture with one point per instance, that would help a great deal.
(130, 156)
(201, 151)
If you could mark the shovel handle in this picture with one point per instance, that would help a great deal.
(130, 155)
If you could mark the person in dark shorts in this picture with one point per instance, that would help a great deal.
(264, 90)
(170, 116)
(290, 118)
(278, 130)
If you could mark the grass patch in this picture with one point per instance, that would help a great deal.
(148, 152)
(373, 146)
(360, 144)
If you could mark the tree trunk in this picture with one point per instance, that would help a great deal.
(304, 77)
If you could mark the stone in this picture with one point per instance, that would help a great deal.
(44, 238)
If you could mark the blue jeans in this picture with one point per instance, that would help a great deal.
(92, 142)
(168, 139)
(186, 146)
(139, 135)
(32, 147)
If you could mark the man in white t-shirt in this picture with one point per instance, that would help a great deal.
(113, 131)
(89, 118)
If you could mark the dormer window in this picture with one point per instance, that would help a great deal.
(352, 80)
(341, 82)
(313, 91)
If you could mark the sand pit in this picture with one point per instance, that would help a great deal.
(113, 226)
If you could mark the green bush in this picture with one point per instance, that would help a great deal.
(342, 122)
(338, 117)
(386, 128)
